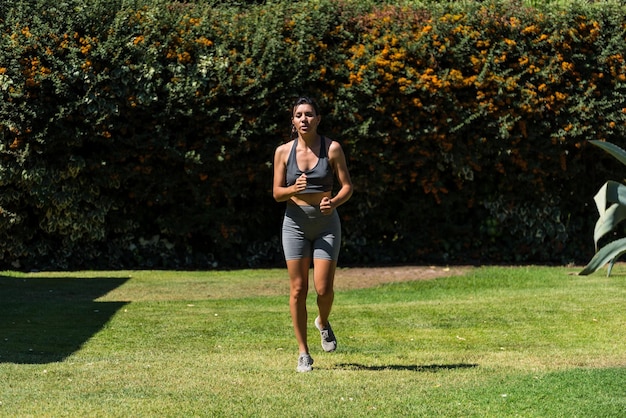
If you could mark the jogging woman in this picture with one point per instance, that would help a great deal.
(304, 171)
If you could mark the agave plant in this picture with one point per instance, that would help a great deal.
(611, 203)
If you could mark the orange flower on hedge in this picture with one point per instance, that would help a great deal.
(510, 42)
(560, 96)
(456, 76)
(358, 51)
(530, 30)
(476, 62)
(204, 41)
(184, 57)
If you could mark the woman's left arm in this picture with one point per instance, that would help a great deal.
(338, 162)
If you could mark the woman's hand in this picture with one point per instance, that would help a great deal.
(300, 184)
(326, 206)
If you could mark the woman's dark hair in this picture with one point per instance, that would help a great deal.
(300, 101)
(306, 100)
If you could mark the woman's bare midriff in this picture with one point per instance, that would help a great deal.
(310, 199)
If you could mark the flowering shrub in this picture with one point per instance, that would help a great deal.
(141, 134)
(485, 109)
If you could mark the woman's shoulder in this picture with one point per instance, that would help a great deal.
(282, 151)
(285, 147)
(329, 142)
(332, 144)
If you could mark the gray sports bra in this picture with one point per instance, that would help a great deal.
(319, 178)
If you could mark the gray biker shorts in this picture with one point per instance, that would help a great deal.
(309, 233)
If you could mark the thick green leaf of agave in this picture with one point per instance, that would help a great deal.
(611, 204)
(611, 192)
(612, 149)
(609, 253)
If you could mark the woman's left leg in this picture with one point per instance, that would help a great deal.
(325, 256)
(324, 279)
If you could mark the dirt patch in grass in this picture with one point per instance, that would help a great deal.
(364, 277)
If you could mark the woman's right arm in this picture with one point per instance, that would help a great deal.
(280, 191)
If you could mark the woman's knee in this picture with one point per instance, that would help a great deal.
(299, 290)
(325, 292)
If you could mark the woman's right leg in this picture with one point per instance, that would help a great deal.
(299, 287)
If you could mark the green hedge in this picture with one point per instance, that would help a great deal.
(140, 134)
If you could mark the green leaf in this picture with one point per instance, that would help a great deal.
(615, 214)
(611, 204)
(612, 149)
(609, 253)
(611, 192)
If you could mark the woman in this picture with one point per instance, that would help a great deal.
(304, 170)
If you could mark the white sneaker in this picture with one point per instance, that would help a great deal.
(305, 363)
(329, 342)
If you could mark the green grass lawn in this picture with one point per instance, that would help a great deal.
(496, 342)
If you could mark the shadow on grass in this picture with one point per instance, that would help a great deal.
(44, 320)
(409, 367)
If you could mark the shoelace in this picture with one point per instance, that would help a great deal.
(326, 335)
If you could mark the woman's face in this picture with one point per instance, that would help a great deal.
(305, 119)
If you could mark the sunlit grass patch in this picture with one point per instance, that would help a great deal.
(497, 341)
